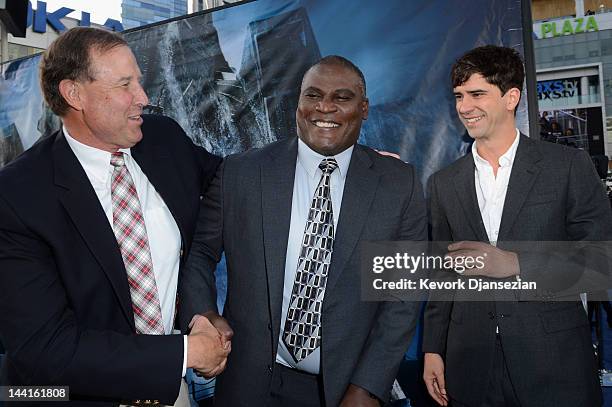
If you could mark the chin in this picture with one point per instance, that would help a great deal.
(474, 135)
(135, 138)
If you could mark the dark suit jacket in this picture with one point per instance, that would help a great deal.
(250, 201)
(553, 195)
(65, 310)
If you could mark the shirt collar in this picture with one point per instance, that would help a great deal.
(310, 159)
(506, 160)
(94, 161)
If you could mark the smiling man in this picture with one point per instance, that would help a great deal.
(510, 188)
(95, 222)
(290, 217)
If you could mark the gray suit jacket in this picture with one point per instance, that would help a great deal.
(553, 195)
(247, 213)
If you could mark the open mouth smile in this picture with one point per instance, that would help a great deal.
(473, 119)
(325, 124)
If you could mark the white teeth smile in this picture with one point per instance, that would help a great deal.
(473, 119)
(135, 117)
(326, 125)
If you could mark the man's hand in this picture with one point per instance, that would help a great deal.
(220, 324)
(433, 374)
(497, 263)
(356, 396)
(205, 350)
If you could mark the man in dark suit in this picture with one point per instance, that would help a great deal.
(510, 188)
(95, 221)
(302, 335)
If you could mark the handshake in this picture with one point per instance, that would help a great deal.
(209, 343)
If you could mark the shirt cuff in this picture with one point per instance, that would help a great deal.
(184, 356)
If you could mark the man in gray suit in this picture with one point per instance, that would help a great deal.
(290, 217)
(510, 188)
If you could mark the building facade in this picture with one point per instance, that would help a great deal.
(199, 5)
(573, 55)
(135, 13)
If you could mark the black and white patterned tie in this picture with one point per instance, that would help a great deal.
(302, 331)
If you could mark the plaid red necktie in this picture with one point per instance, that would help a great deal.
(131, 234)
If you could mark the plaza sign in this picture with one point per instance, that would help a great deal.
(40, 18)
(570, 26)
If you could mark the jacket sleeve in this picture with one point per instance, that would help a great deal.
(583, 262)
(197, 289)
(395, 321)
(437, 313)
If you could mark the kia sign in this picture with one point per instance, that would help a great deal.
(40, 18)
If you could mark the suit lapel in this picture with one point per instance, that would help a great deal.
(465, 189)
(277, 178)
(523, 175)
(359, 191)
(82, 205)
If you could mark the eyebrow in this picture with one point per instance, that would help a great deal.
(471, 92)
(341, 90)
(128, 78)
(312, 89)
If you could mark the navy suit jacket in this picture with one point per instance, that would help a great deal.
(65, 310)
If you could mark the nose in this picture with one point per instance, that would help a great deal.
(465, 105)
(326, 105)
(140, 96)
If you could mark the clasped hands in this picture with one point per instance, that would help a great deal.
(209, 344)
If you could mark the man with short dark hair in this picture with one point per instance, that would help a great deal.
(509, 188)
(95, 221)
(290, 217)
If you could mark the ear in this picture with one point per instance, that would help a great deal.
(513, 96)
(69, 90)
(365, 107)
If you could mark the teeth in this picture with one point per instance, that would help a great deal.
(326, 125)
(473, 119)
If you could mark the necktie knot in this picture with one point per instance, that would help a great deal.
(328, 165)
(117, 159)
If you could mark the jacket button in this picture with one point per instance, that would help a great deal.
(270, 368)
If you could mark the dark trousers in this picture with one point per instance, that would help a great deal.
(293, 388)
(499, 392)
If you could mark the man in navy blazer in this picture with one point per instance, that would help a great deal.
(67, 315)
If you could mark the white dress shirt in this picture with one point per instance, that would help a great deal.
(162, 231)
(307, 177)
(491, 190)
